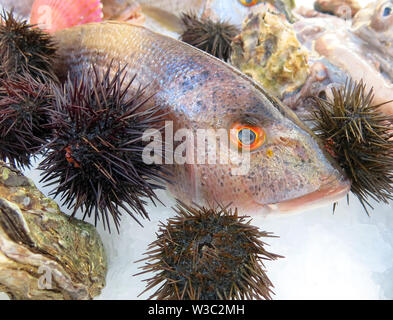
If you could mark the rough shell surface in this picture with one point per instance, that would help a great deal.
(43, 253)
(268, 51)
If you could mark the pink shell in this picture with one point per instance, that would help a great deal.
(53, 15)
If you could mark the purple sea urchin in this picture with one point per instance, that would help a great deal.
(25, 49)
(25, 91)
(360, 138)
(95, 156)
(205, 34)
(24, 106)
(208, 254)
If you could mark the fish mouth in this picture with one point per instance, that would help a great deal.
(327, 194)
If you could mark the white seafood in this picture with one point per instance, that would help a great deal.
(339, 41)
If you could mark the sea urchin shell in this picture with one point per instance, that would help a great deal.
(96, 152)
(213, 37)
(360, 138)
(208, 254)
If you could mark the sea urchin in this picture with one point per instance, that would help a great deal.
(25, 49)
(360, 138)
(205, 34)
(208, 254)
(95, 156)
(24, 113)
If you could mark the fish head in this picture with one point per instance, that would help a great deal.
(276, 163)
(374, 23)
(382, 16)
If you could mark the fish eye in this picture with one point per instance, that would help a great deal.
(246, 136)
(387, 11)
(248, 3)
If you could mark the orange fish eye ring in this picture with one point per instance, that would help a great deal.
(248, 137)
(249, 3)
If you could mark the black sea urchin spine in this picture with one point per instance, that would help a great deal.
(25, 49)
(95, 156)
(24, 106)
(360, 138)
(26, 71)
(205, 34)
(208, 254)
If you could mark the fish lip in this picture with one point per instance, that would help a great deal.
(327, 194)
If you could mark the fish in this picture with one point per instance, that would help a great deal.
(360, 48)
(374, 25)
(165, 16)
(289, 168)
(123, 10)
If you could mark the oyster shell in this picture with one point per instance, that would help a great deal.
(268, 51)
(43, 253)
